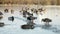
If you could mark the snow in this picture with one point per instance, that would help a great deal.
(15, 26)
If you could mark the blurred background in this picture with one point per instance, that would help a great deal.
(36, 2)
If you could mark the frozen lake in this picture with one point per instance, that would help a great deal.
(15, 26)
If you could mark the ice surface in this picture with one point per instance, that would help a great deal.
(15, 26)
